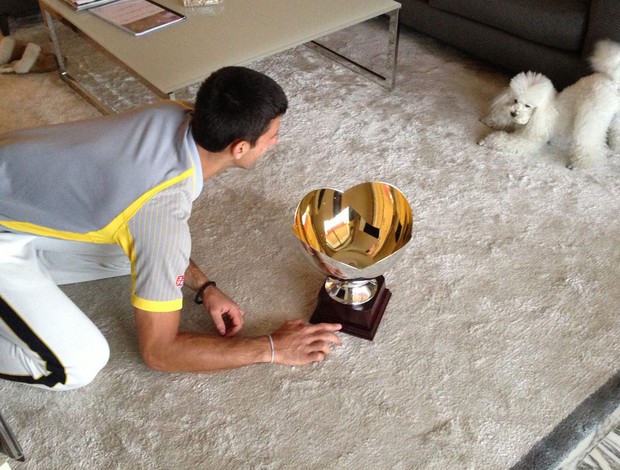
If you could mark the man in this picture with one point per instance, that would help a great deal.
(111, 196)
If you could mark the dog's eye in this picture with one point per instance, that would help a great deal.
(527, 106)
(516, 101)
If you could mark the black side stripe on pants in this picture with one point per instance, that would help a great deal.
(56, 370)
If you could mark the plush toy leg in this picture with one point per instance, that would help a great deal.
(10, 50)
(33, 60)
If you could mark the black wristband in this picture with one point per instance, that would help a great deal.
(198, 298)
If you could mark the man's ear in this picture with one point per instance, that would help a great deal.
(238, 148)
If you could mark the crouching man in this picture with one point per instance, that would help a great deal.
(112, 196)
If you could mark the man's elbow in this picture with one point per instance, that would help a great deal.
(156, 360)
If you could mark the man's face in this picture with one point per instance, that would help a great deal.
(269, 138)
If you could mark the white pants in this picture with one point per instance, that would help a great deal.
(45, 339)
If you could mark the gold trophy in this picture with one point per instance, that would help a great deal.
(353, 237)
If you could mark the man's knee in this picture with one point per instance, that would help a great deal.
(82, 369)
(56, 371)
(77, 368)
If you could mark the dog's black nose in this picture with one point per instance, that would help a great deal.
(513, 114)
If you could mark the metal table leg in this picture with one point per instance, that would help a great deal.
(8, 443)
(48, 18)
(386, 81)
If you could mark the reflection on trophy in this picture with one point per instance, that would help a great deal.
(353, 238)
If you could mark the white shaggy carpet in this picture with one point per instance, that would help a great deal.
(503, 320)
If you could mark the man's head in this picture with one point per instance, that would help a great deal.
(236, 104)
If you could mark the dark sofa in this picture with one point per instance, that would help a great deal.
(15, 8)
(553, 37)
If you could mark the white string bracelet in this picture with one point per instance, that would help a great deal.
(273, 349)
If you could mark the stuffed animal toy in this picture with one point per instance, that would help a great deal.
(17, 57)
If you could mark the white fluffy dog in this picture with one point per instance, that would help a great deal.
(583, 117)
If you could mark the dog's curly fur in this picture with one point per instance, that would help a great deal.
(585, 116)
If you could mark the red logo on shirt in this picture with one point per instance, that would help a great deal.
(180, 281)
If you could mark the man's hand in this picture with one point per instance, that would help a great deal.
(297, 343)
(226, 314)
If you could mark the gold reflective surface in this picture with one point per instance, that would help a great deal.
(355, 233)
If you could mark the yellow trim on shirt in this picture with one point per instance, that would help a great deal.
(27, 227)
(154, 306)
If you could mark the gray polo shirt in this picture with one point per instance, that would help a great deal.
(128, 179)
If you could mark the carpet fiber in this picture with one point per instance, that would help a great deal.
(501, 334)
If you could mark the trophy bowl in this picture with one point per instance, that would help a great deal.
(353, 237)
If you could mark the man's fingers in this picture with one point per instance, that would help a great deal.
(328, 326)
(298, 342)
(320, 345)
(317, 356)
(220, 324)
(323, 337)
(233, 322)
(323, 332)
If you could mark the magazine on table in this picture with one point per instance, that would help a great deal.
(137, 16)
(86, 4)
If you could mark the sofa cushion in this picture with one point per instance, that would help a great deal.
(18, 7)
(556, 23)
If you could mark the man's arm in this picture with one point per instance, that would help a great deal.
(167, 349)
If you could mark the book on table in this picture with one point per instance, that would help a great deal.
(86, 4)
(137, 16)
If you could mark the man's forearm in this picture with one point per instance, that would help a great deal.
(165, 348)
(195, 352)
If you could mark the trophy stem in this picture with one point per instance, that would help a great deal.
(351, 292)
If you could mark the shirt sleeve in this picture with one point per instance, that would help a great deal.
(161, 249)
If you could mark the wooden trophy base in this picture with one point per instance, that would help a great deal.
(357, 320)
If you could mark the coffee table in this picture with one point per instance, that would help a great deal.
(174, 57)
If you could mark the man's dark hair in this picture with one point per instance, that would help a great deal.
(235, 103)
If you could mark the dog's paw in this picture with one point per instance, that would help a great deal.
(497, 141)
(493, 140)
(498, 124)
(487, 121)
(586, 161)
